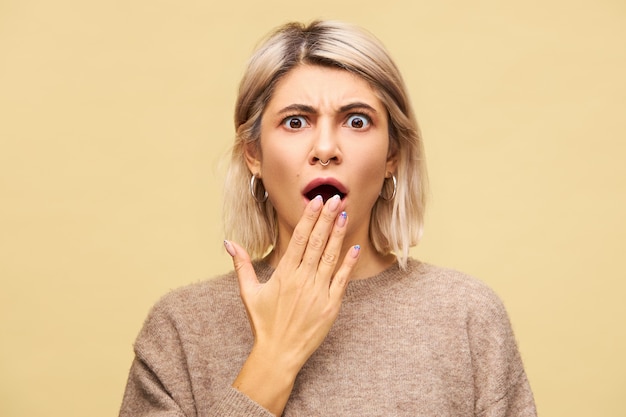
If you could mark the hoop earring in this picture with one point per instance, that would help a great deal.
(253, 191)
(395, 189)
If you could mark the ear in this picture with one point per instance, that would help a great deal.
(392, 158)
(253, 158)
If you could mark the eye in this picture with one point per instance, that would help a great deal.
(295, 122)
(358, 121)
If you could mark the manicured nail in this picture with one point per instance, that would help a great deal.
(355, 250)
(341, 221)
(229, 248)
(334, 202)
(317, 203)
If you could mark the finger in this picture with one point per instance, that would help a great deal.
(342, 277)
(330, 256)
(246, 276)
(320, 234)
(302, 232)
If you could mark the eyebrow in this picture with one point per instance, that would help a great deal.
(357, 106)
(300, 108)
(304, 108)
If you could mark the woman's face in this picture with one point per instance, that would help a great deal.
(320, 115)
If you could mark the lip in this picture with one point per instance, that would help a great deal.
(317, 182)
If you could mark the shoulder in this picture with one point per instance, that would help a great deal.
(200, 295)
(455, 290)
(219, 292)
(183, 309)
(451, 282)
(198, 306)
(209, 307)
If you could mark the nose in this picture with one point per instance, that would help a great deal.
(325, 147)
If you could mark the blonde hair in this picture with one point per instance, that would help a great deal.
(395, 225)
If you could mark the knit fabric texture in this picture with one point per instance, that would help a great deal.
(426, 341)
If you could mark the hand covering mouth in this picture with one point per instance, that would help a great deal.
(326, 190)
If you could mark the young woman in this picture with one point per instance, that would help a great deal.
(325, 314)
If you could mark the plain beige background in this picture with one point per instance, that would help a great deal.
(114, 117)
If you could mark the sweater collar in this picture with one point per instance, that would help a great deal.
(361, 288)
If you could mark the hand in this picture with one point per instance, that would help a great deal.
(292, 312)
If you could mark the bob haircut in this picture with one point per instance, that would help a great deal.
(396, 224)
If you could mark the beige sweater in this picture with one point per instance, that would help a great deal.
(423, 342)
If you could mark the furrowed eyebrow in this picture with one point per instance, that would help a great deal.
(300, 108)
(304, 108)
(357, 106)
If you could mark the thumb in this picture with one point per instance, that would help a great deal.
(243, 265)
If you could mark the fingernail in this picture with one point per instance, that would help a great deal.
(229, 248)
(355, 250)
(341, 221)
(317, 203)
(334, 202)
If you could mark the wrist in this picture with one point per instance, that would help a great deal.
(267, 379)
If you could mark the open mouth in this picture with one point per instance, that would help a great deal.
(326, 191)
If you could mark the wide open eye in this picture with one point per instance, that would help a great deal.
(358, 121)
(295, 122)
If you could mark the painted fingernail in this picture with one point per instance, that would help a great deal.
(355, 250)
(334, 202)
(229, 248)
(341, 221)
(317, 203)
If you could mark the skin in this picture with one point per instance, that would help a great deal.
(316, 114)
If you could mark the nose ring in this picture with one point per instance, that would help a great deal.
(324, 163)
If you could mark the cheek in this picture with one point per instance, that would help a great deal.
(277, 161)
(282, 158)
(373, 159)
(280, 172)
(372, 180)
(374, 169)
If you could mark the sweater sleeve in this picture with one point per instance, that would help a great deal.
(159, 382)
(501, 386)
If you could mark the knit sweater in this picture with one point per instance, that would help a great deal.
(425, 341)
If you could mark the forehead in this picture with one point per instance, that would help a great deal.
(321, 87)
